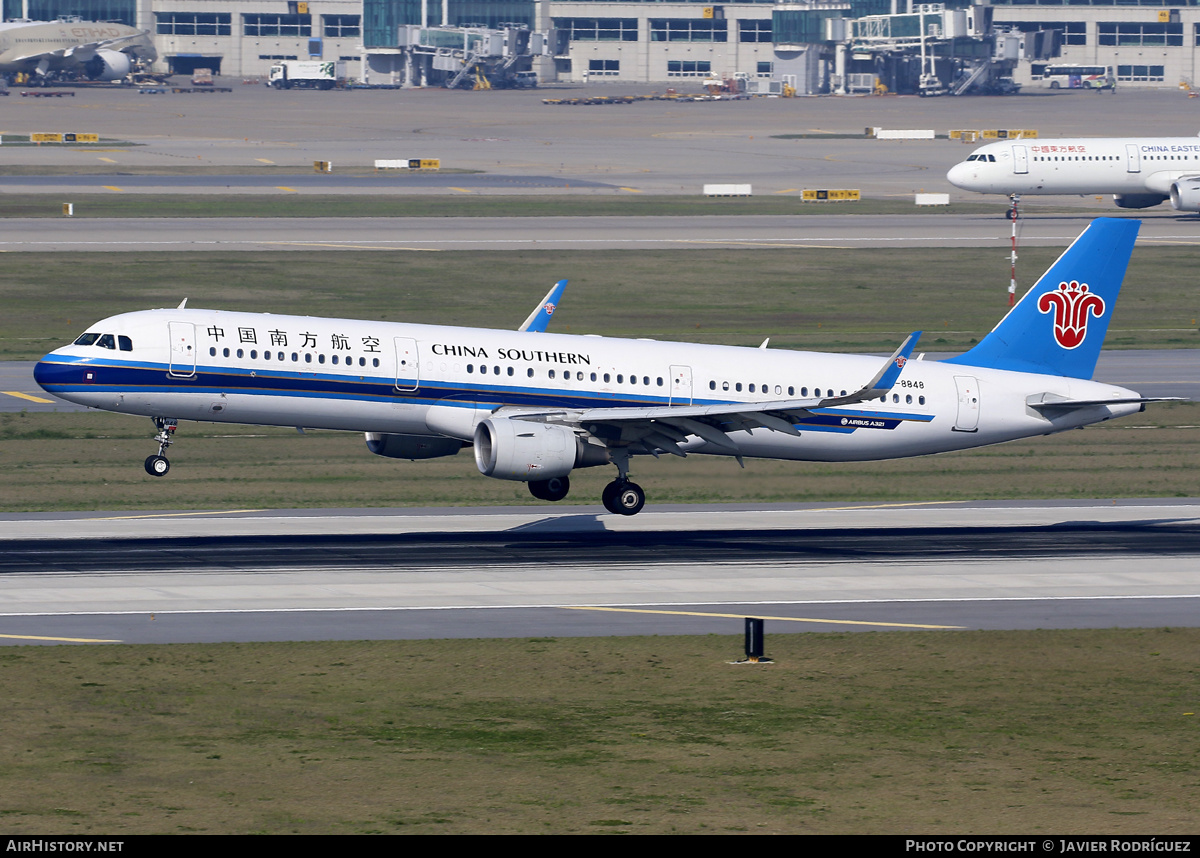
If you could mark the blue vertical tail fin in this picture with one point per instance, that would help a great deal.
(1058, 326)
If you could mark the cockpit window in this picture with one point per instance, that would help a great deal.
(125, 343)
(86, 339)
(991, 159)
(972, 157)
(107, 341)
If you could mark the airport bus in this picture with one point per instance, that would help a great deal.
(1099, 78)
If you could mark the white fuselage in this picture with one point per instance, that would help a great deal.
(385, 377)
(1120, 166)
(27, 46)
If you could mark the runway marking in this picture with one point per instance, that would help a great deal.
(173, 515)
(264, 160)
(113, 188)
(463, 190)
(28, 396)
(881, 506)
(284, 188)
(108, 160)
(338, 246)
(631, 190)
(786, 191)
(743, 616)
(61, 640)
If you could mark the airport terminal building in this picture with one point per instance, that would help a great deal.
(814, 45)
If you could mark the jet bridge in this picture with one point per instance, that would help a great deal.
(471, 57)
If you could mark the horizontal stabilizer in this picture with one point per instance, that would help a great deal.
(1054, 402)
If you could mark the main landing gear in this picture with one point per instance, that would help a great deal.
(621, 497)
(157, 466)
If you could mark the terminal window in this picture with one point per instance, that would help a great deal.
(688, 68)
(193, 24)
(341, 26)
(1135, 34)
(598, 29)
(685, 30)
(277, 25)
(1140, 74)
(604, 67)
(754, 30)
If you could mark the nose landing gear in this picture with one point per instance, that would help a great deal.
(157, 466)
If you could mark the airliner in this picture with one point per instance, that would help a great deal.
(534, 406)
(1138, 172)
(94, 49)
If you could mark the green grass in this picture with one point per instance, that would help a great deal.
(1036, 733)
(93, 461)
(817, 298)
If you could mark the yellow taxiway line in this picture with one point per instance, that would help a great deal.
(62, 640)
(760, 617)
(28, 396)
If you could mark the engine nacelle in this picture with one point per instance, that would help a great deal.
(525, 451)
(412, 446)
(1138, 201)
(108, 65)
(1185, 195)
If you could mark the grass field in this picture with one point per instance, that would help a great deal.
(93, 461)
(823, 299)
(1052, 732)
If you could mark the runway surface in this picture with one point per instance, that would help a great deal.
(268, 575)
(565, 233)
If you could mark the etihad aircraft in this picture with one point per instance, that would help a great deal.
(92, 49)
(535, 406)
(1138, 171)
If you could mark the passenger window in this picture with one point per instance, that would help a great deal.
(241, 353)
(254, 353)
(225, 352)
(87, 339)
(125, 343)
(212, 351)
(107, 341)
(552, 373)
(752, 388)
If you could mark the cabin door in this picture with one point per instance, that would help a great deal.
(681, 385)
(967, 419)
(408, 365)
(1133, 158)
(183, 349)
(1020, 159)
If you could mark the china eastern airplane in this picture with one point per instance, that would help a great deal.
(96, 50)
(1138, 172)
(534, 406)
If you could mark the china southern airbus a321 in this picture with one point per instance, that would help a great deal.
(1139, 172)
(535, 406)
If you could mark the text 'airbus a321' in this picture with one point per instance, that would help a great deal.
(535, 406)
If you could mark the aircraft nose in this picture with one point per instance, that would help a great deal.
(960, 176)
(49, 373)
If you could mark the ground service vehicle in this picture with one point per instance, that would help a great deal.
(307, 74)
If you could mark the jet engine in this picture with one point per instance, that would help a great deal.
(108, 65)
(412, 446)
(1138, 201)
(1185, 195)
(530, 452)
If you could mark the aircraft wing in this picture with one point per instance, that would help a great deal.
(539, 319)
(663, 427)
(82, 52)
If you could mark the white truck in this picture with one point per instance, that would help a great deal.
(307, 74)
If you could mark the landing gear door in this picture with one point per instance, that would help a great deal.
(183, 349)
(968, 404)
(408, 365)
(1020, 159)
(681, 385)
